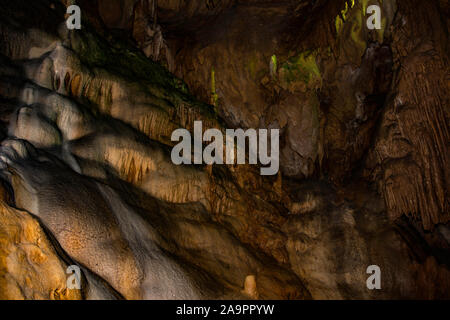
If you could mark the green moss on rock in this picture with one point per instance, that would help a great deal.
(302, 67)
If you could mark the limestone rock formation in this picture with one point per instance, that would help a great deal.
(29, 266)
(86, 118)
(410, 158)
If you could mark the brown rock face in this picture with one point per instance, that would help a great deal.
(410, 156)
(330, 86)
(279, 64)
(86, 118)
(29, 266)
(116, 14)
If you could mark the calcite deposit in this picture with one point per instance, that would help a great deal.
(87, 179)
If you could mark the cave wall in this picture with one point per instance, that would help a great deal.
(337, 90)
(410, 156)
(86, 124)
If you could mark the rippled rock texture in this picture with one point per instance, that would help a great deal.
(87, 179)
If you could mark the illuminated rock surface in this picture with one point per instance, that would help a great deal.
(86, 120)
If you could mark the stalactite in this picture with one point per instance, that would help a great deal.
(154, 13)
